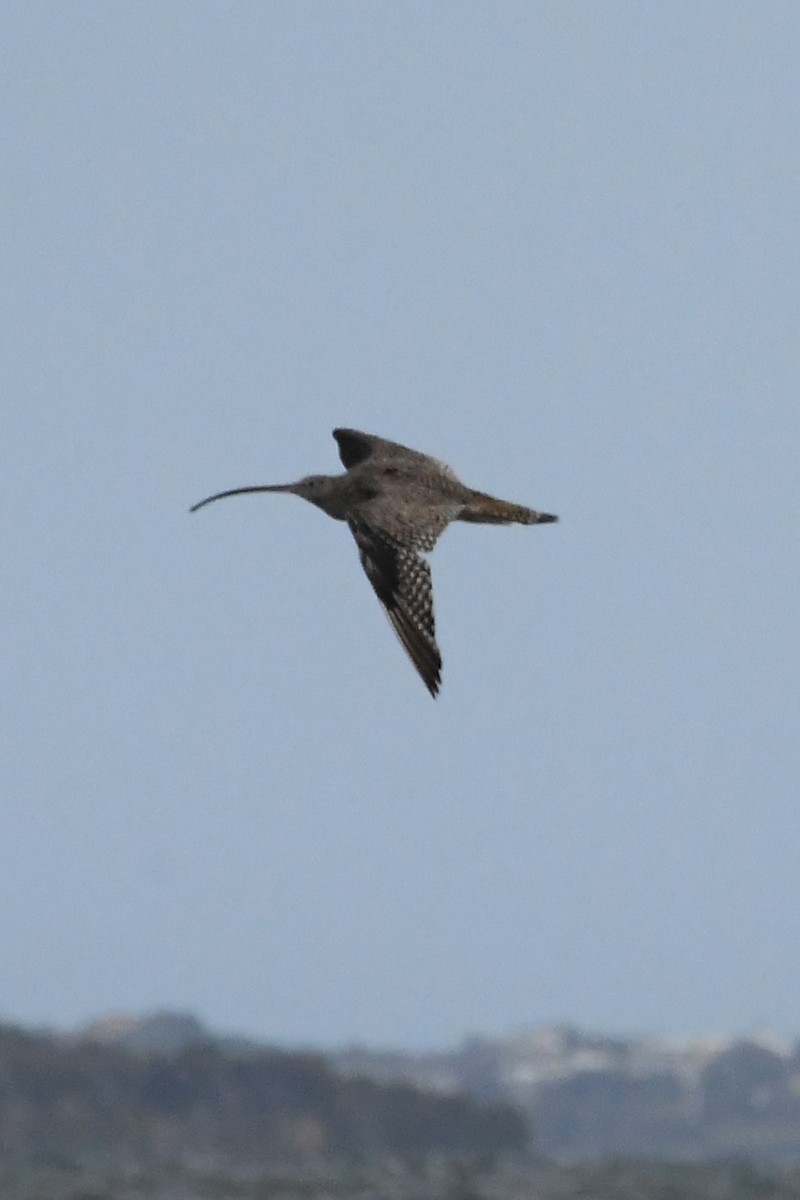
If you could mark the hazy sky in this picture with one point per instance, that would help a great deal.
(555, 244)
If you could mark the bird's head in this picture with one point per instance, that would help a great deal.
(310, 487)
(324, 491)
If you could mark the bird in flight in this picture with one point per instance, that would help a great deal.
(397, 502)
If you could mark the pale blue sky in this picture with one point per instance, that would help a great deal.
(555, 244)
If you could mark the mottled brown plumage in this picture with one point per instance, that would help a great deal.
(397, 502)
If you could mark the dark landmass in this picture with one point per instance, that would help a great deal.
(157, 1108)
(92, 1103)
(587, 1097)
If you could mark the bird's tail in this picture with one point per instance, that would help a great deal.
(488, 510)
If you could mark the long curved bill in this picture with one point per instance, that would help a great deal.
(261, 487)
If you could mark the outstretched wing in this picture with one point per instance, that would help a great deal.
(355, 448)
(402, 582)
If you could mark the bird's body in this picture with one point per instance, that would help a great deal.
(397, 502)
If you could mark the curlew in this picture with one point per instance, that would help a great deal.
(397, 502)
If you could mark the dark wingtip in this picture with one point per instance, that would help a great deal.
(431, 678)
(431, 674)
(547, 518)
(354, 447)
